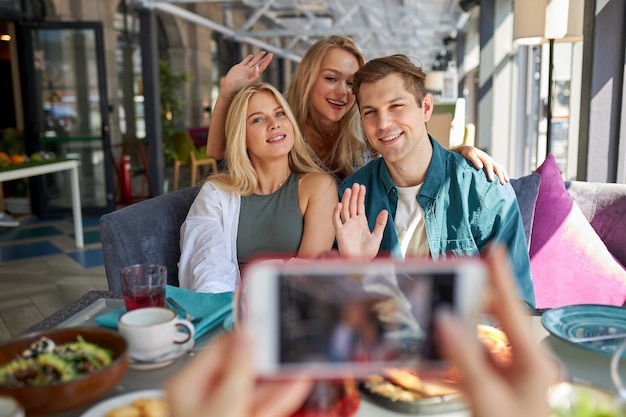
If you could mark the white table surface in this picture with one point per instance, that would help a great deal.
(48, 168)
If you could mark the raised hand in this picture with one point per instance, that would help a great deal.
(246, 72)
(352, 232)
(240, 75)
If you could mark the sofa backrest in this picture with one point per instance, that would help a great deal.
(145, 232)
(149, 231)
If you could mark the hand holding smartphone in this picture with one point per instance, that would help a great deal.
(332, 318)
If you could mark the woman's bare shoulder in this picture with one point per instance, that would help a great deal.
(317, 180)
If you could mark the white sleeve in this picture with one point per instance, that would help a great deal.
(208, 259)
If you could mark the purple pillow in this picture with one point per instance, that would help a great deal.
(569, 262)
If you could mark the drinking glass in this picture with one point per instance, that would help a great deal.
(615, 377)
(143, 285)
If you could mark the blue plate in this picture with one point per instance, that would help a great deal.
(585, 320)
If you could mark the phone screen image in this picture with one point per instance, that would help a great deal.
(359, 318)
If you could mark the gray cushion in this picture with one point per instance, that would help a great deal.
(526, 189)
(145, 232)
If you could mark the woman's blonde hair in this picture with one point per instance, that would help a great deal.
(240, 176)
(349, 146)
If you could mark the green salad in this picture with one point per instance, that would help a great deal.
(586, 407)
(45, 363)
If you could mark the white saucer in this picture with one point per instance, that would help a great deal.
(177, 352)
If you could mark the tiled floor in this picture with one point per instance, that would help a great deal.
(42, 271)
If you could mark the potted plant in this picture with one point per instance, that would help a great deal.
(172, 104)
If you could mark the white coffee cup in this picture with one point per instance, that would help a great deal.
(153, 332)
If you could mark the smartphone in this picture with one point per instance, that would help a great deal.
(331, 318)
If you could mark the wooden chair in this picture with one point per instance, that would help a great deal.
(186, 153)
(469, 138)
(197, 163)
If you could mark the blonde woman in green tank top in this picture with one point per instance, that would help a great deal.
(266, 158)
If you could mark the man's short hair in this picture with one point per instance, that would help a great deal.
(379, 68)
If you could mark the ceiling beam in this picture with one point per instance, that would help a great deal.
(202, 21)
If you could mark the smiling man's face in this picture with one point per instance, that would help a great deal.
(392, 120)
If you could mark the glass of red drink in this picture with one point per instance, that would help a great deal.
(143, 285)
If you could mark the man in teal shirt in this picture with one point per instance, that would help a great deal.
(439, 204)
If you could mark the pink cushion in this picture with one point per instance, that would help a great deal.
(569, 262)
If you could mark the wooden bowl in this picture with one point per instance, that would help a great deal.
(77, 392)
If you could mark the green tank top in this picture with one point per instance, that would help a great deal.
(270, 224)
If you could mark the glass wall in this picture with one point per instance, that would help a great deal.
(69, 100)
(128, 58)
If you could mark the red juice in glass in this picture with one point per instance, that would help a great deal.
(143, 285)
(148, 298)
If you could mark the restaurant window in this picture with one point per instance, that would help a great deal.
(130, 83)
(565, 105)
(567, 73)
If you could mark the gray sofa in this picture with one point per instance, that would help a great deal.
(148, 231)
(145, 232)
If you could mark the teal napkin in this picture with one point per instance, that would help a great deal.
(212, 309)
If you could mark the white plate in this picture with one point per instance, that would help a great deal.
(100, 409)
(177, 352)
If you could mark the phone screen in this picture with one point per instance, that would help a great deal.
(363, 317)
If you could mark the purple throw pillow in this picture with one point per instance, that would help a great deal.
(569, 262)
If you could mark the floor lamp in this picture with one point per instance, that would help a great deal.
(537, 22)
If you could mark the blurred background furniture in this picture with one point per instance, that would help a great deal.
(186, 153)
(199, 135)
(448, 124)
(469, 134)
(439, 128)
(49, 167)
(145, 232)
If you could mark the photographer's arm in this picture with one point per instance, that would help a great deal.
(220, 381)
(493, 389)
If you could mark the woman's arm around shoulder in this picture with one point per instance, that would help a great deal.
(317, 197)
(481, 159)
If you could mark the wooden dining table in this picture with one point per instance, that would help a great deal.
(578, 364)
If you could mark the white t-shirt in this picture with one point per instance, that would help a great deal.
(409, 223)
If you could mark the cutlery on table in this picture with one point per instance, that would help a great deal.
(182, 310)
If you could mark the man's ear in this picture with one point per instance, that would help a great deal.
(427, 106)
